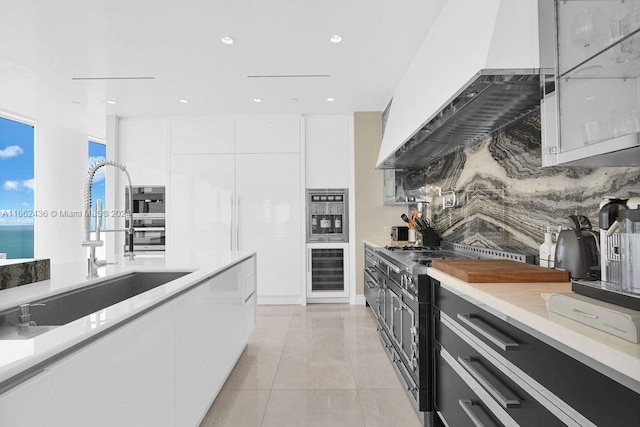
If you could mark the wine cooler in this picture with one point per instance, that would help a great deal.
(327, 271)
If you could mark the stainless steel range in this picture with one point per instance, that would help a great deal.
(398, 290)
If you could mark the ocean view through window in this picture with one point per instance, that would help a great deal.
(16, 189)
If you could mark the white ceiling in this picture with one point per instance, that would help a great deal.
(44, 44)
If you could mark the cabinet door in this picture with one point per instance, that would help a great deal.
(199, 204)
(120, 368)
(209, 318)
(202, 135)
(144, 145)
(327, 144)
(268, 134)
(269, 208)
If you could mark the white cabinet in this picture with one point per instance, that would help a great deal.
(268, 134)
(163, 368)
(207, 317)
(250, 297)
(327, 145)
(202, 134)
(269, 219)
(250, 200)
(199, 208)
(144, 149)
(124, 378)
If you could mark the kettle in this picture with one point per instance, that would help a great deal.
(578, 250)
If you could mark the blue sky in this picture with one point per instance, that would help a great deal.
(97, 153)
(16, 170)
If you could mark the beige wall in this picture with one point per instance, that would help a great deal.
(372, 218)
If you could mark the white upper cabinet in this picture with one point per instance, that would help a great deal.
(144, 149)
(328, 140)
(268, 134)
(202, 135)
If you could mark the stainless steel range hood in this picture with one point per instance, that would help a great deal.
(491, 100)
(477, 71)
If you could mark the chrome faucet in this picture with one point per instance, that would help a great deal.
(93, 262)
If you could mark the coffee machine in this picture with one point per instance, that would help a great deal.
(610, 208)
(620, 254)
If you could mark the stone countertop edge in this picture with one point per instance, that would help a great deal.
(48, 345)
(381, 243)
(525, 305)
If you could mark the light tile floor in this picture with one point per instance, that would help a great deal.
(319, 365)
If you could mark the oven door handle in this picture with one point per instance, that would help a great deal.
(148, 228)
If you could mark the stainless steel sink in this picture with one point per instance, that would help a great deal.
(69, 306)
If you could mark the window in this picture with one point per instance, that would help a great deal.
(97, 153)
(16, 189)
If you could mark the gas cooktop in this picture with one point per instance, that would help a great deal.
(409, 256)
(416, 258)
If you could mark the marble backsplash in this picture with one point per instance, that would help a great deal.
(506, 199)
(22, 272)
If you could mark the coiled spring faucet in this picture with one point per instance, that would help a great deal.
(93, 263)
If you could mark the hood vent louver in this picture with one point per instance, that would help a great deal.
(491, 100)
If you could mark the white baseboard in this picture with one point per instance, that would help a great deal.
(358, 300)
(331, 300)
(279, 300)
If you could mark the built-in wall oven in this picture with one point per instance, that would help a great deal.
(149, 225)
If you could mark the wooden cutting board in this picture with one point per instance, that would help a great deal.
(498, 271)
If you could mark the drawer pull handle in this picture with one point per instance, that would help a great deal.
(582, 313)
(477, 416)
(497, 338)
(481, 377)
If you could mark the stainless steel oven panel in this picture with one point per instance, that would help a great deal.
(148, 248)
(148, 216)
(410, 338)
(396, 326)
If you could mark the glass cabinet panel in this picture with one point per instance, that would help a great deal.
(598, 66)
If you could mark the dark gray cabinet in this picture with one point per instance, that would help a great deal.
(529, 382)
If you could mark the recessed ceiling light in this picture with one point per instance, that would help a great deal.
(109, 101)
(330, 99)
(226, 40)
(335, 38)
(257, 100)
(184, 101)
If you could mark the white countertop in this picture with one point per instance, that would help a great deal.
(19, 355)
(526, 306)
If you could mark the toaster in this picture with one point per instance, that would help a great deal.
(399, 233)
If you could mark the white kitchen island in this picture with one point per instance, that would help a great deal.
(158, 358)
